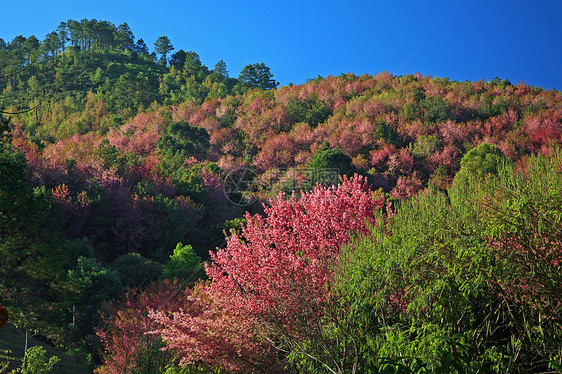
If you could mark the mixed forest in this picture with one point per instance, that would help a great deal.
(161, 216)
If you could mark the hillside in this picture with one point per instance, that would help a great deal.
(12, 345)
(117, 166)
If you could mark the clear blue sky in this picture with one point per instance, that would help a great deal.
(464, 40)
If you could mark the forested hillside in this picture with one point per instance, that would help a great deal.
(131, 216)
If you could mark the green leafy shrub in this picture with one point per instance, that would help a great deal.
(183, 264)
(136, 271)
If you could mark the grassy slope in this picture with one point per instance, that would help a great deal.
(12, 344)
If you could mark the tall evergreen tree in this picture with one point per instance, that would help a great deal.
(220, 69)
(124, 37)
(141, 48)
(257, 75)
(177, 60)
(62, 32)
(51, 43)
(163, 46)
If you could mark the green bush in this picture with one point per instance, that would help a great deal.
(136, 271)
(469, 278)
(36, 361)
(183, 264)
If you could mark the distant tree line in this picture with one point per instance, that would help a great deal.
(94, 35)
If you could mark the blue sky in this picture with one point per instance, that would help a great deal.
(463, 40)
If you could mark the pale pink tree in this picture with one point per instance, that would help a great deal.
(125, 325)
(205, 331)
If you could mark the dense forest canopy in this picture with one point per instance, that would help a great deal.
(410, 224)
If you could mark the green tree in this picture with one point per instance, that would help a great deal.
(163, 46)
(328, 164)
(15, 196)
(131, 90)
(124, 37)
(312, 110)
(52, 43)
(32, 47)
(141, 48)
(257, 75)
(36, 361)
(220, 69)
(62, 31)
(521, 209)
(93, 284)
(480, 162)
(194, 67)
(183, 264)
(409, 288)
(136, 271)
(31, 263)
(182, 141)
(177, 60)
(75, 32)
(88, 33)
(466, 277)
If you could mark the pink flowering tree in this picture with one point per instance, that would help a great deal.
(273, 278)
(206, 332)
(278, 267)
(126, 346)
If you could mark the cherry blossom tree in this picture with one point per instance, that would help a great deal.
(278, 267)
(206, 331)
(271, 283)
(123, 334)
